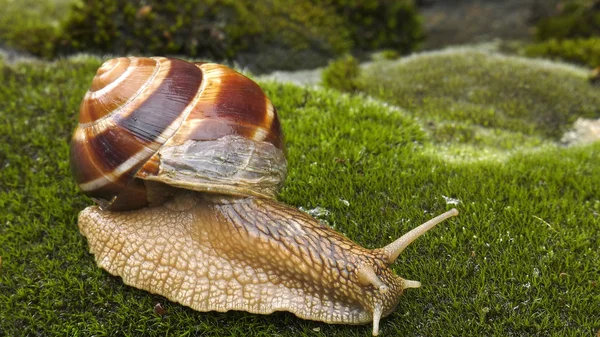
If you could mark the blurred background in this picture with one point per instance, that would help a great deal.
(263, 36)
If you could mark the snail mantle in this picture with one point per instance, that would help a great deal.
(184, 161)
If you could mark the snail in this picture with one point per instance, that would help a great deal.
(184, 161)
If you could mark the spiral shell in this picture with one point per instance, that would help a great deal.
(200, 126)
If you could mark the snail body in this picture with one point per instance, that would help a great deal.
(184, 161)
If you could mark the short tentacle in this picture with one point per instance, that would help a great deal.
(367, 276)
(411, 284)
(376, 318)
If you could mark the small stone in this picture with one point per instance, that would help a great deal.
(159, 310)
(584, 131)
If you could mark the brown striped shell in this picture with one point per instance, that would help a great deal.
(199, 126)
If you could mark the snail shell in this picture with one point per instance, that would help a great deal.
(200, 126)
(184, 160)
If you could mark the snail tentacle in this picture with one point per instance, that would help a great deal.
(367, 276)
(411, 284)
(393, 250)
(376, 319)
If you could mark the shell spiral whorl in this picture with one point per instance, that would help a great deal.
(137, 109)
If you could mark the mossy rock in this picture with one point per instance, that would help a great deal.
(585, 51)
(498, 101)
(520, 260)
(380, 24)
(258, 35)
(217, 29)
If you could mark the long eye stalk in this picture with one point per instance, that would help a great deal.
(393, 250)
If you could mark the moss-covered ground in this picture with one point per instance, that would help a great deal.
(478, 104)
(522, 259)
(32, 26)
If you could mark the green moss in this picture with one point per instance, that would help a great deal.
(520, 260)
(341, 74)
(380, 24)
(216, 29)
(571, 34)
(390, 54)
(298, 36)
(582, 51)
(32, 25)
(211, 28)
(491, 96)
(260, 35)
(575, 18)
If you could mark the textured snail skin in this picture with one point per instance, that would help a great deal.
(184, 161)
(224, 253)
(221, 253)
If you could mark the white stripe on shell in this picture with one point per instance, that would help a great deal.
(162, 139)
(97, 94)
(110, 86)
(261, 134)
(114, 176)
